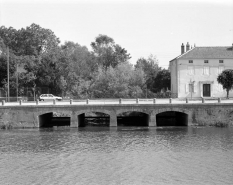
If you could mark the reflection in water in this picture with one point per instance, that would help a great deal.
(123, 155)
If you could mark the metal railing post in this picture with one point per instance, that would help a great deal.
(120, 101)
(137, 101)
(54, 102)
(154, 101)
(3, 102)
(87, 101)
(219, 100)
(187, 100)
(37, 102)
(20, 102)
(203, 100)
(170, 100)
(71, 101)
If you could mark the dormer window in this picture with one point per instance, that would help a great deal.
(206, 61)
(220, 61)
(190, 61)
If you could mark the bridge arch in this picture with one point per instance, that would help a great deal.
(103, 120)
(47, 119)
(173, 117)
(135, 117)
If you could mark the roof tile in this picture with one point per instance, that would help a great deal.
(208, 53)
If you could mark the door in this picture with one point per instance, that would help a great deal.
(206, 90)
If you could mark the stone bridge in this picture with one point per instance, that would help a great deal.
(25, 116)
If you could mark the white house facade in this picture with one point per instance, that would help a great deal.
(194, 73)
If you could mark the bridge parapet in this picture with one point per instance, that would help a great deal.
(205, 114)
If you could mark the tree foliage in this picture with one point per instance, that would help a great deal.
(156, 78)
(226, 79)
(72, 70)
(162, 81)
(108, 53)
(118, 82)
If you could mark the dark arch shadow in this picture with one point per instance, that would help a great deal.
(171, 118)
(134, 118)
(52, 119)
(94, 119)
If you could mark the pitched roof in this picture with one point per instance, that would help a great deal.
(208, 53)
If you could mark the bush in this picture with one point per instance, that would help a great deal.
(8, 126)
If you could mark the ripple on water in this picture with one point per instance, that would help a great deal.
(117, 156)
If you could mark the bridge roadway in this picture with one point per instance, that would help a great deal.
(194, 112)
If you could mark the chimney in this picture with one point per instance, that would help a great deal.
(182, 49)
(187, 47)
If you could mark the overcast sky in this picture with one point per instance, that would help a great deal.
(142, 27)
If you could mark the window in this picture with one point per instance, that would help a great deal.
(220, 69)
(206, 70)
(206, 61)
(220, 61)
(190, 61)
(190, 70)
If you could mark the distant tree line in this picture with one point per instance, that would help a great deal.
(72, 70)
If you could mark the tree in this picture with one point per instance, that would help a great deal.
(38, 50)
(9, 37)
(150, 67)
(108, 53)
(79, 59)
(119, 82)
(35, 40)
(3, 68)
(162, 81)
(226, 79)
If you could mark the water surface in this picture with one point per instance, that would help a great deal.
(113, 156)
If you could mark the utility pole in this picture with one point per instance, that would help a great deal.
(8, 74)
(17, 81)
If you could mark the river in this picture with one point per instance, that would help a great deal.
(116, 156)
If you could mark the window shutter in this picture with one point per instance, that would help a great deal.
(216, 71)
(194, 88)
(207, 70)
(202, 70)
(186, 88)
(220, 69)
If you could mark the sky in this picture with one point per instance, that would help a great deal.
(142, 27)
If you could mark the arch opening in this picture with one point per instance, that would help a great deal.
(138, 119)
(172, 118)
(93, 119)
(52, 119)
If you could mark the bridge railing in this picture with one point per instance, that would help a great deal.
(122, 101)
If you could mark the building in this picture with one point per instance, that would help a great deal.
(194, 73)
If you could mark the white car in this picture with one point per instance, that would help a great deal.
(44, 97)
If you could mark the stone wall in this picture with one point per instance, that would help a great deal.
(198, 114)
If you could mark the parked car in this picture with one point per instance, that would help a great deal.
(44, 97)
